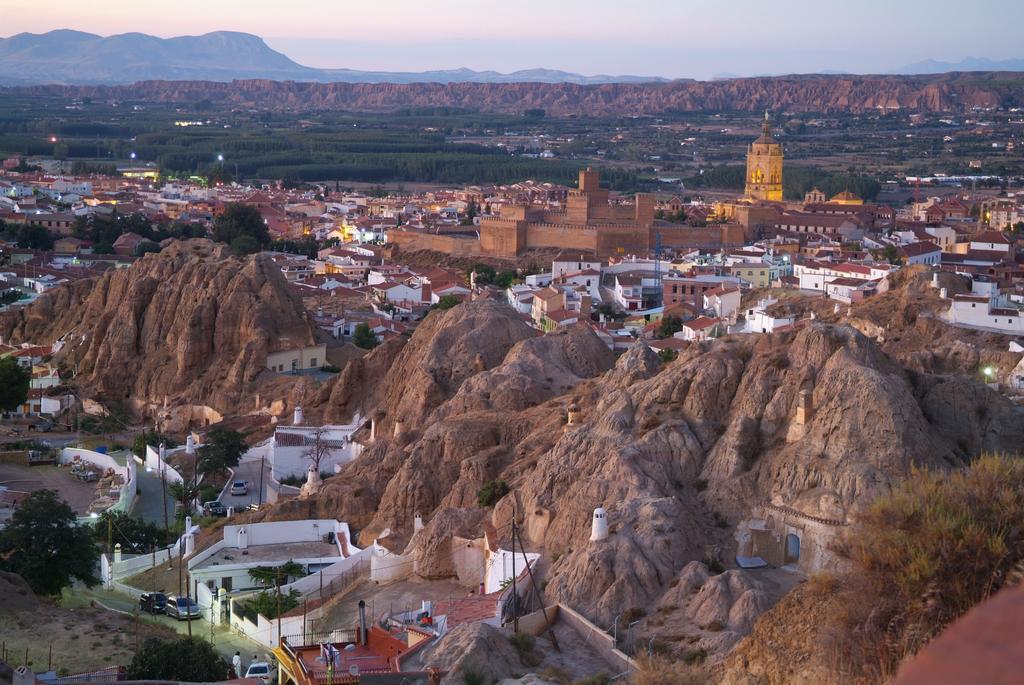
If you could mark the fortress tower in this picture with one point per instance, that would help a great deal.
(764, 166)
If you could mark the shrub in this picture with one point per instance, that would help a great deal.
(491, 492)
(524, 645)
(695, 656)
(921, 557)
(656, 669)
(471, 676)
(667, 355)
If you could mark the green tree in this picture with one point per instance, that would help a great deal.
(484, 274)
(363, 337)
(447, 302)
(188, 659)
(133, 534)
(184, 493)
(504, 279)
(491, 492)
(14, 382)
(669, 326)
(240, 220)
(244, 245)
(277, 575)
(221, 450)
(43, 543)
(34, 238)
(267, 603)
(145, 247)
(667, 355)
(153, 439)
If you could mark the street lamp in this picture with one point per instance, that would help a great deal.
(132, 155)
(989, 372)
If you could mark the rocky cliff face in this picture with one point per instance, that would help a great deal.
(678, 454)
(812, 93)
(188, 324)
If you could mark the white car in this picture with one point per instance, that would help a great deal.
(261, 670)
(240, 487)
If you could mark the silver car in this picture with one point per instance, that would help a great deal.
(182, 608)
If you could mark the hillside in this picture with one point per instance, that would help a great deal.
(957, 92)
(189, 326)
(679, 454)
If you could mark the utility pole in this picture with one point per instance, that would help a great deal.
(188, 604)
(533, 582)
(262, 459)
(163, 492)
(515, 595)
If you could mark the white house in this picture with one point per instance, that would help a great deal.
(987, 313)
(588, 278)
(922, 252)
(564, 266)
(724, 301)
(701, 328)
(760, 321)
(292, 447)
(991, 241)
(314, 544)
(849, 290)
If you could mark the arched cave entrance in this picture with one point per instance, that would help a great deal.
(792, 548)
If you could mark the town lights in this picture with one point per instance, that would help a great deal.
(53, 139)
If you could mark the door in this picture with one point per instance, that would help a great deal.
(792, 548)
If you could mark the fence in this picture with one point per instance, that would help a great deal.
(333, 576)
(157, 465)
(110, 674)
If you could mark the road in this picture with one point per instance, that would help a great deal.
(249, 471)
(225, 640)
(149, 505)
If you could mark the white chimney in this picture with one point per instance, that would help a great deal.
(298, 418)
(942, 293)
(190, 445)
(243, 539)
(417, 523)
(599, 525)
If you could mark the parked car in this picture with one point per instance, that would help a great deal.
(153, 602)
(261, 670)
(182, 608)
(215, 508)
(240, 487)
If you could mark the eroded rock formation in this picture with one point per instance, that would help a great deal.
(189, 325)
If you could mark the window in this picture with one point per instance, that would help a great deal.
(312, 361)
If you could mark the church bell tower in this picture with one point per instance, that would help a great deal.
(764, 166)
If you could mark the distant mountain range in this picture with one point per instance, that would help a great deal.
(66, 57)
(931, 66)
(76, 57)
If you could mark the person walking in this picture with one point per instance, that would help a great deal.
(236, 661)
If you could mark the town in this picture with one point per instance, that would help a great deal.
(329, 377)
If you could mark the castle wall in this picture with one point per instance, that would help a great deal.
(709, 237)
(409, 241)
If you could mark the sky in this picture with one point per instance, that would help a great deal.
(671, 38)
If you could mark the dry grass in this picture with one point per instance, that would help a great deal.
(660, 670)
(922, 556)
